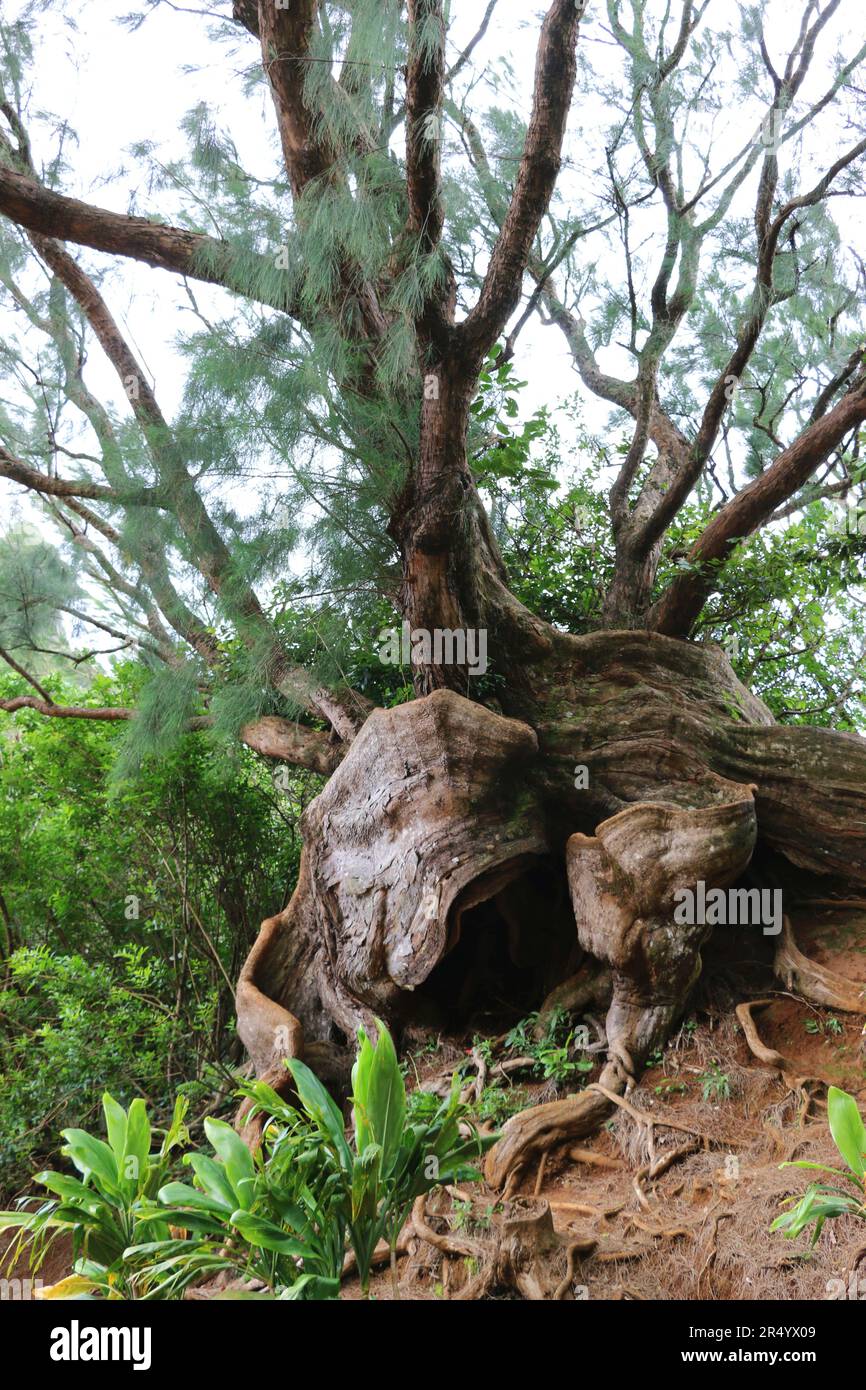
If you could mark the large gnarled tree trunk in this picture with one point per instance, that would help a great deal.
(442, 805)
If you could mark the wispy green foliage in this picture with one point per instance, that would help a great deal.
(166, 703)
(36, 582)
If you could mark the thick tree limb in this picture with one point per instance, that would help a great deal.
(271, 736)
(18, 472)
(48, 707)
(140, 548)
(123, 492)
(425, 76)
(345, 710)
(26, 202)
(425, 80)
(292, 743)
(555, 70)
(285, 37)
(666, 436)
(681, 604)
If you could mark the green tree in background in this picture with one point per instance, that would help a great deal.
(127, 908)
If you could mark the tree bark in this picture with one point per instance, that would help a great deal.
(453, 574)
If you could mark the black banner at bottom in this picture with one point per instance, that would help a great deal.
(217, 1336)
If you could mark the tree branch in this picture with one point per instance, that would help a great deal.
(27, 203)
(211, 554)
(674, 487)
(425, 80)
(292, 743)
(271, 736)
(285, 38)
(31, 680)
(19, 472)
(555, 70)
(346, 711)
(678, 608)
(48, 707)
(459, 65)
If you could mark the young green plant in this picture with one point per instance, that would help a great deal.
(822, 1201)
(104, 1209)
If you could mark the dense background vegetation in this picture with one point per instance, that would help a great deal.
(200, 844)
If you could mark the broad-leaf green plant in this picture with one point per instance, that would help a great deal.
(103, 1210)
(823, 1201)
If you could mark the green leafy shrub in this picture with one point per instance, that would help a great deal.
(270, 1217)
(132, 903)
(103, 1209)
(398, 1152)
(821, 1201)
(830, 1026)
(554, 1052)
(499, 1103)
(715, 1083)
(284, 1216)
(558, 1064)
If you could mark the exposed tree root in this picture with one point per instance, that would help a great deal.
(382, 1253)
(590, 987)
(767, 1056)
(815, 982)
(426, 817)
(658, 1167)
(480, 1073)
(269, 1031)
(707, 1267)
(658, 1164)
(575, 1250)
(660, 1232)
(798, 1086)
(528, 1134)
(448, 1243)
(623, 883)
(539, 1177)
(584, 1209)
(578, 1155)
(634, 1252)
(522, 1251)
(651, 1122)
